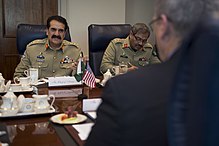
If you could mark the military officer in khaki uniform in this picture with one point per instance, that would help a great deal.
(53, 56)
(135, 51)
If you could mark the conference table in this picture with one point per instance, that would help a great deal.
(38, 130)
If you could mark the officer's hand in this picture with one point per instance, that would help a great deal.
(74, 65)
(132, 68)
(85, 59)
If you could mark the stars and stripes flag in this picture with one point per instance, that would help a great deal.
(88, 77)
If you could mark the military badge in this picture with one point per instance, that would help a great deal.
(40, 58)
(143, 61)
(66, 60)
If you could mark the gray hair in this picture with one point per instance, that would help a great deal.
(183, 14)
(140, 27)
(212, 7)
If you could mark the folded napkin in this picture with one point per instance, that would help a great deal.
(92, 115)
(83, 130)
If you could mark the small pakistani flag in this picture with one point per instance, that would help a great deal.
(80, 70)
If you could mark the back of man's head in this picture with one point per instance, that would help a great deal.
(183, 14)
(212, 8)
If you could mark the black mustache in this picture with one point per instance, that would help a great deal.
(55, 36)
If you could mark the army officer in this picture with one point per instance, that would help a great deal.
(53, 56)
(135, 50)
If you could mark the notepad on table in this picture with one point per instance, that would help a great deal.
(90, 106)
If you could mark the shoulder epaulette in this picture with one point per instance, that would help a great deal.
(148, 45)
(42, 41)
(118, 40)
(67, 43)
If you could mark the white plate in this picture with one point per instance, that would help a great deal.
(19, 114)
(57, 119)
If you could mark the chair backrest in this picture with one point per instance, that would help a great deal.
(99, 38)
(29, 32)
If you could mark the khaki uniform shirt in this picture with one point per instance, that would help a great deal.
(119, 50)
(49, 62)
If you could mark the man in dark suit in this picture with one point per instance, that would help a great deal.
(135, 105)
(195, 98)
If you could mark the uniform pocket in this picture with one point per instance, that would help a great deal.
(123, 59)
(65, 65)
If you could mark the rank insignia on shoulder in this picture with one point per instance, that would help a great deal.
(37, 42)
(117, 41)
(74, 44)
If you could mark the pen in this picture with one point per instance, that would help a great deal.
(130, 64)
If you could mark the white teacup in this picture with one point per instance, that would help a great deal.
(115, 69)
(23, 81)
(33, 74)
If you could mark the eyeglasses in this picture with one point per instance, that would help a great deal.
(138, 39)
(153, 21)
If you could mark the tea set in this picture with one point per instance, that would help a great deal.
(11, 104)
(3, 86)
(20, 84)
(23, 82)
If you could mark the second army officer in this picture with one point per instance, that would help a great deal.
(135, 50)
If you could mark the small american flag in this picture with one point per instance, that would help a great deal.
(88, 77)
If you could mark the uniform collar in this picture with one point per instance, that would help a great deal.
(47, 46)
(126, 45)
